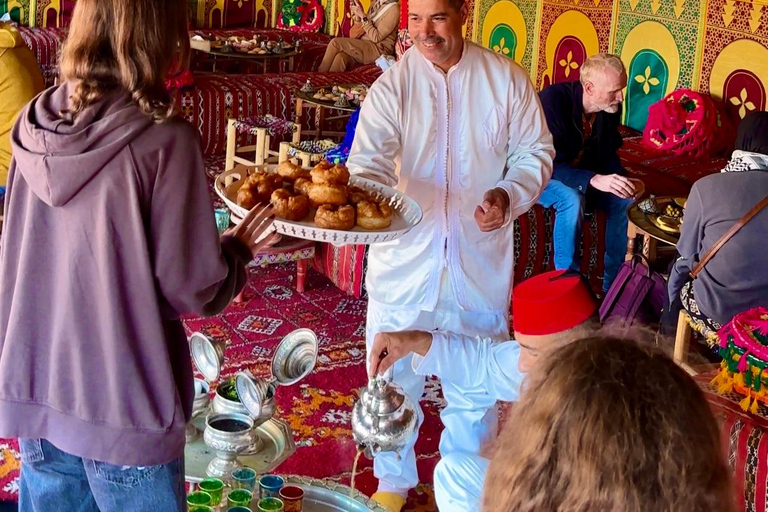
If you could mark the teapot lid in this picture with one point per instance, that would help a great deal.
(295, 357)
(383, 397)
(207, 354)
(252, 392)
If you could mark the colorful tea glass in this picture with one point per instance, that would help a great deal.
(293, 498)
(214, 487)
(271, 505)
(199, 498)
(239, 498)
(244, 478)
(270, 485)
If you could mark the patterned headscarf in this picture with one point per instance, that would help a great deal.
(752, 145)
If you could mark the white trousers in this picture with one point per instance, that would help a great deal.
(470, 416)
(459, 480)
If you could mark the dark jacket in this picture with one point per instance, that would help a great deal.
(564, 109)
(109, 237)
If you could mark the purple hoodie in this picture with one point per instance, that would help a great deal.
(109, 237)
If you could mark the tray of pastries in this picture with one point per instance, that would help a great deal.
(323, 204)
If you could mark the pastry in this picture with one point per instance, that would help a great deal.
(331, 217)
(289, 206)
(372, 215)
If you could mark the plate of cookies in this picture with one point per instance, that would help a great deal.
(324, 203)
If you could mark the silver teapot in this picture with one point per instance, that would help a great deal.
(384, 419)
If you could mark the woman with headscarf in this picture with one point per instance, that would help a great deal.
(372, 35)
(736, 278)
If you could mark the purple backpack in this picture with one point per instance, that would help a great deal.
(636, 296)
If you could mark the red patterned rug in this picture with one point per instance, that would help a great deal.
(318, 408)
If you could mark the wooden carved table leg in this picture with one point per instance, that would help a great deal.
(301, 274)
(631, 239)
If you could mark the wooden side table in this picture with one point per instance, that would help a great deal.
(306, 101)
(261, 149)
(639, 226)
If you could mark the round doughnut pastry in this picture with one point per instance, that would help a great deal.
(326, 193)
(246, 197)
(322, 164)
(290, 206)
(332, 217)
(290, 171)
(357, 194)
(337, 175)
(302, 185)
(258, 188)
(372, 215)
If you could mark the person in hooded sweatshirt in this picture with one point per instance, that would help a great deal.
(109, 238)
(20, 81)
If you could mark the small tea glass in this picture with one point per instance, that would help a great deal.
(239, 498)
(214, 487)
(239, 509)
(199, 498)
(270, 485)
(222, 219)
(200, 508)
(293, 498)
(244, 478)
(271, 505)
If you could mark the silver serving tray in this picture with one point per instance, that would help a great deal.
(329, 496)
(278, 446)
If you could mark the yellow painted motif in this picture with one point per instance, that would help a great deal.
(507, 13)
(754, 21)
(742, 101)
(679, 8)
(570, 23)
(653, 35)
(54, 6)
(569, 64)
(647, 80)
(740, 54)
(23, 15)
(728, 8)
(306, 407)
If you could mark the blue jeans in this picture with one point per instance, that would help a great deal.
(54, 480)
(569, 206)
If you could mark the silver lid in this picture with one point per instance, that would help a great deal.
(295, 357)
(208, 355)
(253, 392)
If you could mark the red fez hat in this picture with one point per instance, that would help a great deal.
(551, 302)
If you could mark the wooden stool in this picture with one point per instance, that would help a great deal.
(261, 148)
(305, 152)
(685, 329)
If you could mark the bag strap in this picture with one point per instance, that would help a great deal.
(727, 236)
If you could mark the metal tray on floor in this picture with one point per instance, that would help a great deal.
(329, 496)
(278, 446)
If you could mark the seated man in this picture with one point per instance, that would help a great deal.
(584, 117)
(20, 81)
(372, 35)
(499, 368)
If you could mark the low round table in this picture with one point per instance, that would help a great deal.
(641, 225)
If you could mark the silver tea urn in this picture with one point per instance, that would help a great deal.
(246, 401)
(199, 407)
(229, 435)
(384, 419)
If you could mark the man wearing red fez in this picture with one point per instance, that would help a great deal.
(550, 310)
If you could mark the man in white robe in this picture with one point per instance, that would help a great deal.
(459, 129)
(550, 310)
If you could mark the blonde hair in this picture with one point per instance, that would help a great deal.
(608, 425)
(600, 62)
(129, 44)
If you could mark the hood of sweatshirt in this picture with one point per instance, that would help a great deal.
(58, 155)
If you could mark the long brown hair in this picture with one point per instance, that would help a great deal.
(132, 44)
(607, 425)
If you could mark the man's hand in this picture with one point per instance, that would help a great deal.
(491, 214)
(357, 10)
(617, 185)
(390, 347)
